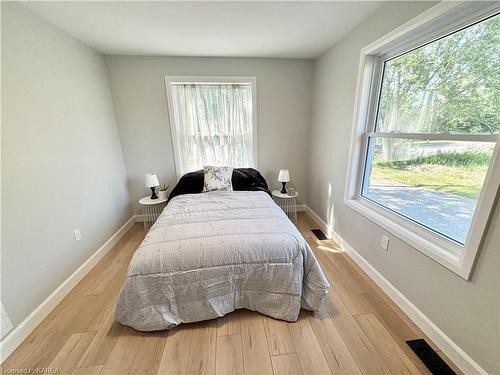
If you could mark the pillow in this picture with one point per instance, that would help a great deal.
(217, 178)
(244, 179)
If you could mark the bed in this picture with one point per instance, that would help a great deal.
(211, 253)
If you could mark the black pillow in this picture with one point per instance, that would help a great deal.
(244, 179)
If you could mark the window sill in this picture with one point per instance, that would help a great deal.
(442, 250)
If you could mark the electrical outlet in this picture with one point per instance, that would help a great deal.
(384, 243)
(77, 234)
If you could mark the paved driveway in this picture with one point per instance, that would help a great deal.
(447, 214)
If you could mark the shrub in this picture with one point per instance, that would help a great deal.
(455, 159)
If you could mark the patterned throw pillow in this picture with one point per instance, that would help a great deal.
(217, 178)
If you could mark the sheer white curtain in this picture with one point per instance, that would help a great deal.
(213, 123)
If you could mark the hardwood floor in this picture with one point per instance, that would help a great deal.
(357, 331)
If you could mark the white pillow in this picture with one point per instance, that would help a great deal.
(217, 178)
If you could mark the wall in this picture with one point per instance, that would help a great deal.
(62, 165)
(467, 311)
(284, 90)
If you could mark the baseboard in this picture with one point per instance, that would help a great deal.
(445, 344)
(15, 337)
(323, 225)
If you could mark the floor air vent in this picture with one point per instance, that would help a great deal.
(319, 234)
(430, 358)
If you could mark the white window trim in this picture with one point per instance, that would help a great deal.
(169, 80)
(436, 22)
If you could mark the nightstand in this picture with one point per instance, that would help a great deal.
(151, 209)
(288, 203)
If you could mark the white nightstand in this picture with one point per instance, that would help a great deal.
(288, 203)
(151, 209)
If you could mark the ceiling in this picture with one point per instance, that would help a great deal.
(207, 28)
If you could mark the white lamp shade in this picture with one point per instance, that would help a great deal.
(284, 175)
(151, 180)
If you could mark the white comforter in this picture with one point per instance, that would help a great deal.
(211, 253)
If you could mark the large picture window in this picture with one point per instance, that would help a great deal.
(430, 134)
(212, 121)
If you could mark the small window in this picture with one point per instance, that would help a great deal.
(212, 122)
(430, 134)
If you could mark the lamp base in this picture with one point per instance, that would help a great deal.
(153, 193)
(283, 191)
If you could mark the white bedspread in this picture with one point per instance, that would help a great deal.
(211, 253)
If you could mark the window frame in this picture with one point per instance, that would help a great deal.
(170, 80)
(435, 23)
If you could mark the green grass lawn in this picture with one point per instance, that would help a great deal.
(455, 173)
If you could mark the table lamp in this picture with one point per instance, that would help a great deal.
(284, 177)
(152, 182)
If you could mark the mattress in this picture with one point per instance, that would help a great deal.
(211, 253)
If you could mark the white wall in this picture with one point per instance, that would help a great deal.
(284, 91)
(467, 311)
(62, 166)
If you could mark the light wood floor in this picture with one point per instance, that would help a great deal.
(358, 330)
